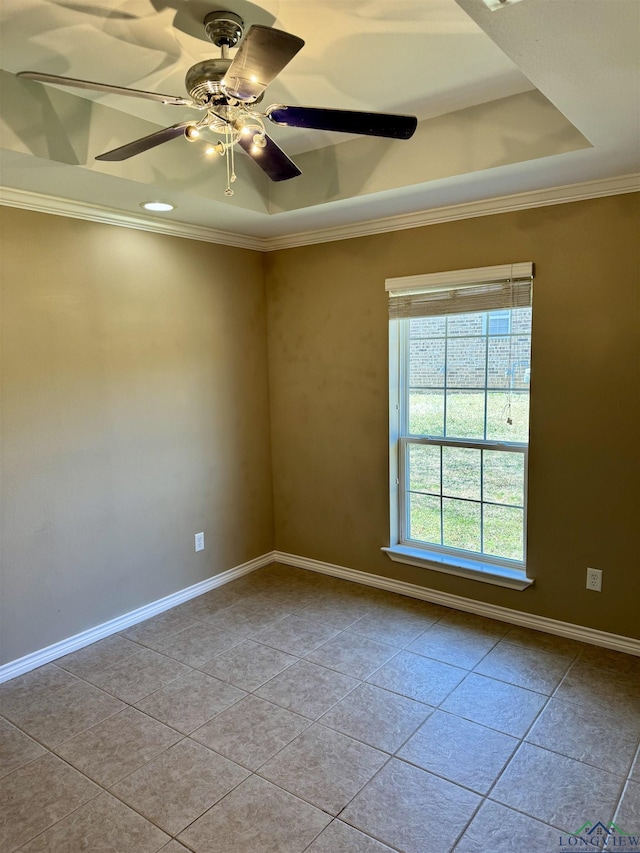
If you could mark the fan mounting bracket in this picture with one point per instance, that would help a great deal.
(224, 29)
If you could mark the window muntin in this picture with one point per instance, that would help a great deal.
(459, 384)
(464, 423)
(464, 498)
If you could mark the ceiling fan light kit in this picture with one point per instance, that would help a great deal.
(228, 91)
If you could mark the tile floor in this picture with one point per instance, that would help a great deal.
(288, 711)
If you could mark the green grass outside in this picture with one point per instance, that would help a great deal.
(465, 414)
(468, 474)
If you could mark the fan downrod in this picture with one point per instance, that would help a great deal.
(224, 29)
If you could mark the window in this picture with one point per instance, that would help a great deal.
(460, 346)
(499, 322)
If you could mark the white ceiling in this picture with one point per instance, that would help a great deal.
(538, 94)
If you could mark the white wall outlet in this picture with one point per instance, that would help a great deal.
(199, 541)
(594, 580)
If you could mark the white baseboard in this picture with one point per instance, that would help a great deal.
(85, 638)
(457, 602)
(629, 645)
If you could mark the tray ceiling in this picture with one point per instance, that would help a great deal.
(538, 94)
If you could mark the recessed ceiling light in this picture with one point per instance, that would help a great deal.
(157, 206)
(499, 4)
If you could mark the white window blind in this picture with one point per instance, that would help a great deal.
(461, 291)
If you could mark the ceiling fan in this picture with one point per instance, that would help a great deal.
(228, 91)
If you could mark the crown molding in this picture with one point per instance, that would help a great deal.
(27, 200)
(468, 210)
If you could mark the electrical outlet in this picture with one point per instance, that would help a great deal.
(594, 580)
(199, 541)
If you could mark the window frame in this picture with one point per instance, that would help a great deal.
(485, 568)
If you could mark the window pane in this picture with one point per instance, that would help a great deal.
(427, 327)
(503, 477)
(426, 412)
(505, 406)
(426, 362)
(499, 363)
(521, 321)
(461, 472)
(424, 468)
(467, 379)
(461, 524)
(466, 324)
(503, 532)
(465, 414)
(424, 518)
(520, 374)
(466, 362)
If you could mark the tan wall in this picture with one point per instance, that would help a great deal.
(134, 415)
(328, 357)
(135, 411)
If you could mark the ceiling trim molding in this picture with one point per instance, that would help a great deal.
(469, 210)
(27, 200)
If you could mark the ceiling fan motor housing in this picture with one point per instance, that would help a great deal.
(203, 80)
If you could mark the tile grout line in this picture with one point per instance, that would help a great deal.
(487, 796)
(318, 721)
(183, 736)
(523, 741)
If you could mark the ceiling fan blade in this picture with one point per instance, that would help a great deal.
(145, 143)
(271, 159)
(346, 121)
(262, 55)
(104, 87)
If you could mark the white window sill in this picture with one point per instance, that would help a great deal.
(472, 569)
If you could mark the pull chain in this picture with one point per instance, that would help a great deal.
(228, 159)
(233, 163)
